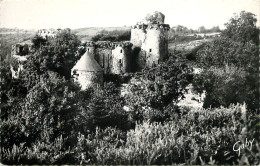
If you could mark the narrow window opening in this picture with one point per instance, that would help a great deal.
(88, 49)
(121, 51)
(120, 60)
(150, 50)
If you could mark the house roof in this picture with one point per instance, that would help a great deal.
(87, 63)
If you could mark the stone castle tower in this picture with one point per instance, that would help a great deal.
(150, 40)
(87, 72)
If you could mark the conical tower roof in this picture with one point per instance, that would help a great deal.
(87, 63)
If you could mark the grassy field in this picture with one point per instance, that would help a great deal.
(8, 37)
(85, 34)
(186, 45)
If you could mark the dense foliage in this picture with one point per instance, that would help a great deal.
(59, 54)
(149, 93)
(224, 51)
(44, 105)
(231, 65)
(242, 28)
(197, 137)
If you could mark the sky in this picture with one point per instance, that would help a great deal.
(39, 14)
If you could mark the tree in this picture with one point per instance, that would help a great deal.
(59, 54)
(202, 29)
(51, 108)
(156, 88)
(38, 41)
(242, 28)
(42, 96)
(12, 91)
(215, 29)
(235, 52)
(224, 51)
(106, 108)
(181, 29)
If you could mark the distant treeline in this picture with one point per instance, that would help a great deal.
(115, 35)
(183, 34)
(179, 32)
(179, 29)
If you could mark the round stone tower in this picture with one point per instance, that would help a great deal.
(151, 37)
(87, 72)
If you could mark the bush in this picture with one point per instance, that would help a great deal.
(200, 137)
(39, 153)
(116, 79)
(105, 108)
(46, 107)
(223, 86)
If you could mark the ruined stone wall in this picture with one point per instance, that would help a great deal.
(113, 57)
(120, 57)
(138, 34)
(21, 49)
(104, 58)
(16, 72)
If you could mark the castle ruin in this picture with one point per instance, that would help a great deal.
(147, 47)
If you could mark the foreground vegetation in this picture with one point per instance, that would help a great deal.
(46, 119)
(202, 136)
